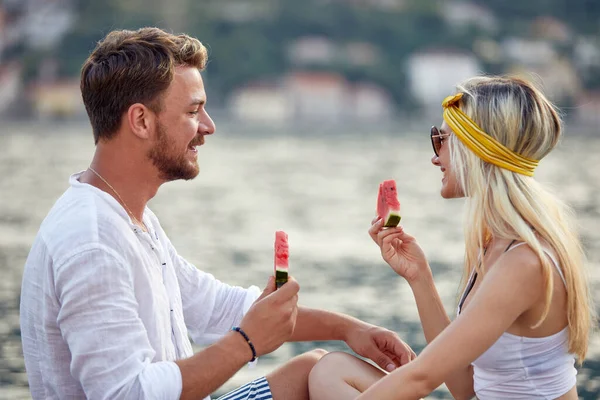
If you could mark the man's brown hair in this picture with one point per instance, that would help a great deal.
(129, 67)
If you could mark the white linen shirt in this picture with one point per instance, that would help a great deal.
(106, 307)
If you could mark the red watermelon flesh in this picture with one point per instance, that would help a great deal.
(282, 255)
(388, 206)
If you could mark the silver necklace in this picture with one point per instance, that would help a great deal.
(137, 221)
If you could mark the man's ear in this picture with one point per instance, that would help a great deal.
(141, 120)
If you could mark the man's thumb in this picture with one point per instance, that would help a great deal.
(270, 288)
(385, 362)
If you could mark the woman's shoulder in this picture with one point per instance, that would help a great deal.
(519, 258)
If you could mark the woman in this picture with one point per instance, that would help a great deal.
(524, 315)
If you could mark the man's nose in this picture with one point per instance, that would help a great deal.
(206, 125)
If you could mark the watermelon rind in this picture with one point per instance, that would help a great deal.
(392, 220)
(281, 277)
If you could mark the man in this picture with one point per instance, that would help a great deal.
(107, 303)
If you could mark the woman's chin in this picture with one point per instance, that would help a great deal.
(450, 193)
(444, 192)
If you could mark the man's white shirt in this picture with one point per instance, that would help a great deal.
(107, 308)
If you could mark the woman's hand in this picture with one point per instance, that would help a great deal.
(400, 250)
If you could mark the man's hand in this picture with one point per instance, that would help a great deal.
(272, 318)
(382, 346)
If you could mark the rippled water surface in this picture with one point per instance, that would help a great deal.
(320, 189)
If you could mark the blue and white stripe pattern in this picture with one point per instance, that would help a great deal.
(258, 389)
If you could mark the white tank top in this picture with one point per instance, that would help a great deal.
(517, 367)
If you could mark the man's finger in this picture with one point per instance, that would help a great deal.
(383, 361)
(289, 290)
(405, 358)
(403, 352)
(393, 357)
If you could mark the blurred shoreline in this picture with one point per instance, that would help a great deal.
(403, 125)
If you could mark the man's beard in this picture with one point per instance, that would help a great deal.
(171, 165)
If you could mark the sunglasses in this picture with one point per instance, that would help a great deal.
(437, 140)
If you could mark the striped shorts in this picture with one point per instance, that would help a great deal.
(257, 389)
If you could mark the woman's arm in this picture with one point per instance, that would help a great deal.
(402, 252)
(434, 320)
(508, 290)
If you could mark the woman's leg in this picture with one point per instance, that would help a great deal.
(290, 381)
(341, 376)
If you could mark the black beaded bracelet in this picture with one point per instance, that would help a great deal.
(238, 329)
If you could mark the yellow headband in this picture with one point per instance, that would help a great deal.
(483, 145)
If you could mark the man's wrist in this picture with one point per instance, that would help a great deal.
(238, 345)
(248, 341)
(348, 325)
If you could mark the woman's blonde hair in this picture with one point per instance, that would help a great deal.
(513, 206)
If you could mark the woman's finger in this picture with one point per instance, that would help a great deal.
(374, 230)
(391, 241)
(389, 231)
(405, 237)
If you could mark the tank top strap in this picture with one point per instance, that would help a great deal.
(550, 256)
(468, 287)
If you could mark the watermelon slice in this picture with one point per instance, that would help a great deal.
(282, 255)
(388, 206)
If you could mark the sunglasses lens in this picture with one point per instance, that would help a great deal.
(435, 140)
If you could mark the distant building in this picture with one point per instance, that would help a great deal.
(310, 96)
(488, 50)
(433, 74)
(361, 54)
(239, 10)
(463, 14)
(387, 4)
(538, 60)
(57, 100)
(528, 52)
(370, 102)
(322, 51)
(45, 23)
(260, 102)
(393, 5)
(558, 79)
(10, 34)
(2, 31)
(317, 95)
(312, 50)
(10, 84)
(586, 54)
(552, 29)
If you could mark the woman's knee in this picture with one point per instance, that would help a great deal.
(344, 367)
(311, 358)
(316, 354)
(330, 365)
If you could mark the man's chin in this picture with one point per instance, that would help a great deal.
(194, 170)
(185, 174)
(192, 175)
